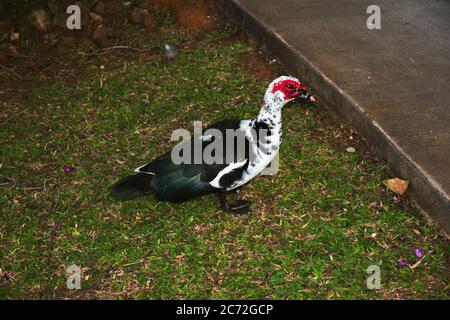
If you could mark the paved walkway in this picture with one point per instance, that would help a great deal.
(392, 84)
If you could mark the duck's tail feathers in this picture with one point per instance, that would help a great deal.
(132, 186)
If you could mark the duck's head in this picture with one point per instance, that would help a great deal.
(284, 89)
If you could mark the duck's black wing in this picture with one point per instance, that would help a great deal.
(178, 182)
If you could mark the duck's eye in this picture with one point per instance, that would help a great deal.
(290, 87)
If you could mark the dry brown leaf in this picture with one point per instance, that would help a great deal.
(396, 185)
(415, 265)
(180, 256)
(97, 19)
(14, 36)
(40, 19)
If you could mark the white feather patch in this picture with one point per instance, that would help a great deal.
(227, 169)
(139, 170)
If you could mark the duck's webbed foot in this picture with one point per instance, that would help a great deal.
(240, 207)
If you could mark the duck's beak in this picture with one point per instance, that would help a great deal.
(306, 97)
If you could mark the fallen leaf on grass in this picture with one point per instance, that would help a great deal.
(350, 149)
(305, 225)
(75, 232)
(376, 204)
(396, 185)
(180, 256)
(40, 20)
(14, 36)
(235, 101)
(415, 265)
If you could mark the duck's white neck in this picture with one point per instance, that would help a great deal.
(270, 112)
(269, 118)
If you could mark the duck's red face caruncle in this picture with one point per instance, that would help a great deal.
(292, 89)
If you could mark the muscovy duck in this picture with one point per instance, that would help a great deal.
(176, 181)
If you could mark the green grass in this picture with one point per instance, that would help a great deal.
(312, 232)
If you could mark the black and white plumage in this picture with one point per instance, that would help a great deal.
(169, 180)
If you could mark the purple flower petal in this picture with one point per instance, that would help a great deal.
(402, 264)
(419, 253)
(430, 251)
(68, 169)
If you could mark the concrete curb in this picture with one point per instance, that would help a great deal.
(429, 194)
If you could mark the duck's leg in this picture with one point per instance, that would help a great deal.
(240, 207)
(223, 201)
